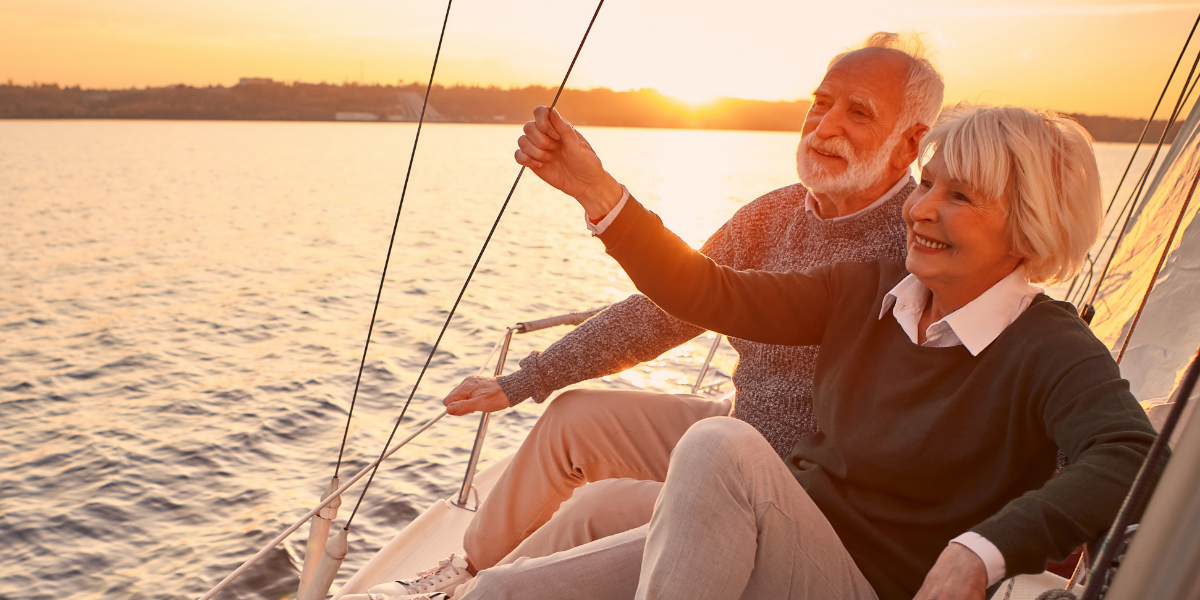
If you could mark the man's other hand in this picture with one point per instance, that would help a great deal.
(476, 394)
(558, 154)
(958, 574)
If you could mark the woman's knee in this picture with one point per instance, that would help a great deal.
(719, 438)
(721, 431)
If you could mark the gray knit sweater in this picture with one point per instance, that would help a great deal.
(773, 383)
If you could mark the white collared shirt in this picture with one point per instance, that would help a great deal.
(974, 326)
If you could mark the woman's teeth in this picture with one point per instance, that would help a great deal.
(930, 243)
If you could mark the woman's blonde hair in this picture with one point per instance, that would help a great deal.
(1043, 164)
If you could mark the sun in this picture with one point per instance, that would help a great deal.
(694, 93)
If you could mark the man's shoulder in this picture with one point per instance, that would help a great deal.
(786, 201)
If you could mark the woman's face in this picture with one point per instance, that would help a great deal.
(957, 237)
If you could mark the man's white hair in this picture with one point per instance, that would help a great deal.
(1043, 164)
(923, 88)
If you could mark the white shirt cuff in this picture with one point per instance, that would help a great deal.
(599, 228)
(987, 552)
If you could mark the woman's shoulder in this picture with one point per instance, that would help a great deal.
(1052, 331)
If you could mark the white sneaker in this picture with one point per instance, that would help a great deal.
(447, 575)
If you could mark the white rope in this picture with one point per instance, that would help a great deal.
(275, 542)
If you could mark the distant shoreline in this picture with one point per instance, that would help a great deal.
(258, 99)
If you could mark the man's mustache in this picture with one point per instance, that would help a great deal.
(836, 146)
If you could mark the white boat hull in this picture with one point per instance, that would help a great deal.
(428, 539)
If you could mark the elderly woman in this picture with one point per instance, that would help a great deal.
(944, 389)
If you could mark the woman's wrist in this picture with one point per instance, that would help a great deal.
(599, 200)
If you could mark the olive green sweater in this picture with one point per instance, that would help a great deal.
(920, 444)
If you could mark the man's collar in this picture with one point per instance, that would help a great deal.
(977, 324)
(810, 203)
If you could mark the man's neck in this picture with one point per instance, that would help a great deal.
(831, 206)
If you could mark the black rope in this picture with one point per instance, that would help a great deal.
(1116, 192)
(1087, 278)
(395, 225)
(471, 274)
(1136, 195)
(1162, 95)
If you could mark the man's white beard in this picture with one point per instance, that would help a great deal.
(861, 173)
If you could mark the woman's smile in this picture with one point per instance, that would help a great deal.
(925, 242)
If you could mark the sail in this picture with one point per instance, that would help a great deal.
(1168, 332)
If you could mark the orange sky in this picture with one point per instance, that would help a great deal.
(1076, 56)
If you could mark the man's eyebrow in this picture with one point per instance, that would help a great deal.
(866, 102)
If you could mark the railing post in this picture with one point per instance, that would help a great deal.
(465, 493)
(707, 361)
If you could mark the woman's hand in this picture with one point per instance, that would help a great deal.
(554, 151)
(476, 394)
(958, 574)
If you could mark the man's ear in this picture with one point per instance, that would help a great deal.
(910, 143)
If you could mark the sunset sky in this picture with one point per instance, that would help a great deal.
(1077, 56)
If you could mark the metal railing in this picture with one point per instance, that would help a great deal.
(575, 318)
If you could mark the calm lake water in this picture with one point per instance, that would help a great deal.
(183, 307)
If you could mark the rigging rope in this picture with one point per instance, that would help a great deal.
(470, 274)
(338, 492)
(1146, 128)
(395, 225)
(1131, 203)
(311, 513)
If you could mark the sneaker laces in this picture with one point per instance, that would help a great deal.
(430, 578)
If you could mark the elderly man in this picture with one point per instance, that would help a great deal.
(860, 136)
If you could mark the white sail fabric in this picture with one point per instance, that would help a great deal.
(1168, 332)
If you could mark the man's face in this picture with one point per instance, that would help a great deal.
(849, 133)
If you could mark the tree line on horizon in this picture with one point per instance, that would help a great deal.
(266, 100)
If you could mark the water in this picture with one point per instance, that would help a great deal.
(183, 307)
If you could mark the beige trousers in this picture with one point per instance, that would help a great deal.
(731, 523)
(623, 439)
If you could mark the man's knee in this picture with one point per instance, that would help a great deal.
(574, 408)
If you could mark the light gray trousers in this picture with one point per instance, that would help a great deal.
(731, 523)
